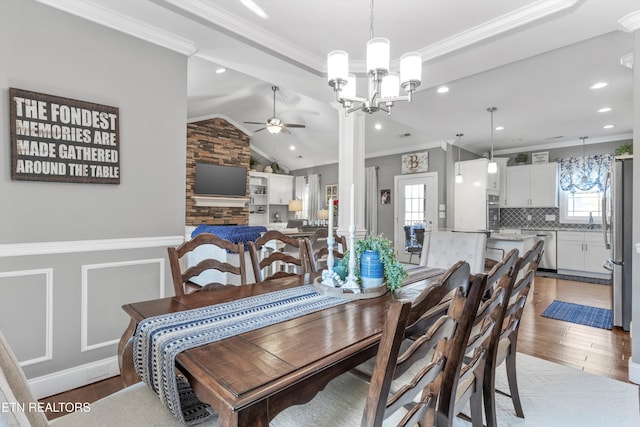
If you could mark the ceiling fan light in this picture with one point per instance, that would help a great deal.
(337, 66)
(274, 129)
(411, 69)
(378, 53)
(390, 85)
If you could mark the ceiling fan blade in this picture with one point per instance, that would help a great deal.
(254, 123)
(284, 129)
(258, 130)
(292, 125)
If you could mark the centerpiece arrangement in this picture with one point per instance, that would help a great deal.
(370, 262)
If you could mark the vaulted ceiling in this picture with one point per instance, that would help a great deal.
(533, 60)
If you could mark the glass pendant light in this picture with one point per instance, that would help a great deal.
(585, 175)
(459, 175)
(493, 166)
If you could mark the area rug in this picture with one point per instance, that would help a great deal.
(552, 395)
(582, 314)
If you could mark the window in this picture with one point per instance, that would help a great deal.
(578, 206)
(414, 200)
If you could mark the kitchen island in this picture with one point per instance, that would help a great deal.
(499, 244)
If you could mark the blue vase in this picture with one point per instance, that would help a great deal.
(371, 269)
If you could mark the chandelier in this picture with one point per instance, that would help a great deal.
(384, 86)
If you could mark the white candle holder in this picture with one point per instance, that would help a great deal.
(330, 277)
(352, 282)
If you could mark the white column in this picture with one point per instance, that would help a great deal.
(631, 23)
(351, 171)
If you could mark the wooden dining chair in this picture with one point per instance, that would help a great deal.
(133, 406)
(405, 387)
(183, 281)
(278, 262)
(317, 255)
(506, 347)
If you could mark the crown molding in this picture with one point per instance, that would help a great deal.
(117, 21)
(563, 144)
(509, 21)
(255, 35)
(630, 22)
(240, 126)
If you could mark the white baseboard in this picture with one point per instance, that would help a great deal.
(634, 371)
(78, 376)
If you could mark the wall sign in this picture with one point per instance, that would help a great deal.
(63, 140)
(414, 163)
(540, 157)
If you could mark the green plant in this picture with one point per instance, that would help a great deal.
(394, 271)
(624, 149)
(521, 158)
(253, 161)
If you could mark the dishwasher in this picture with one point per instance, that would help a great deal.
(549, 261)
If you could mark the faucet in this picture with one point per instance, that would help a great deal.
(590, 227)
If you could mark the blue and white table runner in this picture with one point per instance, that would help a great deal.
(158, 340)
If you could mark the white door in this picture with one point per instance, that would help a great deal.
(416, 202)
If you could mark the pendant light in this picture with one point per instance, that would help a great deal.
(459, 175)
(493, 166)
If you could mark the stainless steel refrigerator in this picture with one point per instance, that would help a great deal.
(617, 230)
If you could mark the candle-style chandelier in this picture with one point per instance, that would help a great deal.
(384, 86)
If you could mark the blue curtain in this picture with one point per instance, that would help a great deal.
(583, 174)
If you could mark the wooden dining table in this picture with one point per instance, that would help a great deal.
(249, 378)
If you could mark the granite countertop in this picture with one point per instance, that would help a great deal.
(511, 236)
(586, 230)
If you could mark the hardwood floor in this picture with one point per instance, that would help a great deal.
(598, 351)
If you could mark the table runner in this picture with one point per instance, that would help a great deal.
(159, 339)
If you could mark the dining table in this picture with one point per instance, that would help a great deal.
(251, 377)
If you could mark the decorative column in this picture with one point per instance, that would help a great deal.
(631, 23)
(351, 171)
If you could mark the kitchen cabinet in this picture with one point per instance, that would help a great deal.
(280, 189)
(533, 186)
(582, 253)
(471, 195)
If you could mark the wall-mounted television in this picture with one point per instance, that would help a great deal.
(219, 180)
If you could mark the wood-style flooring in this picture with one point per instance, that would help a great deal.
(599, 351)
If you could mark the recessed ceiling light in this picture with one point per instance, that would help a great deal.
(607, 126)
(604, 110)
(220, 70)
(249, 4)
(499, 127)
(443, 89)
(292, 147)
(599, 85)
(378, 126)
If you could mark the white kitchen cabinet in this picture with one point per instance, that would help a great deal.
(532, 186)
(582, 253)
(280, 189)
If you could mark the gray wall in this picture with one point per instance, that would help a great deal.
(388, 168)
(59, 279)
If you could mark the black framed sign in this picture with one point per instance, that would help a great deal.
(63, 140)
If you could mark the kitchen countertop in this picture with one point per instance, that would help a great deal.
(511, 236)
(585, 230)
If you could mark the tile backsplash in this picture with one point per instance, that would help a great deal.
(519, 218)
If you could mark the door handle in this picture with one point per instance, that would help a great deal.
(615, 262)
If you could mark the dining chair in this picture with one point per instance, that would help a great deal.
(444, 248)
(411, 244)
(202, 276)
(278, 262)
(405, 387)
(317, 248)
(132, 406)
(506, 347)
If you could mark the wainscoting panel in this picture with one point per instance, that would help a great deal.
(33, 291)
(108, 286)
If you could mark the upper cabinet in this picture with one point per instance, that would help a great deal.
(533, 186)
(280, 189)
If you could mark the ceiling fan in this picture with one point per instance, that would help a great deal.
(274, 125)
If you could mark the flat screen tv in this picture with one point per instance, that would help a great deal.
(218, 180)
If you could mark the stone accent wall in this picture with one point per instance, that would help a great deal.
(215, 141)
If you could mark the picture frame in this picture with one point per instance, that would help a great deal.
(330, 191)
(385, 197)
(415, 163)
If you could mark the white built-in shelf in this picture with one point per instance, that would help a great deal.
(215, 201)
